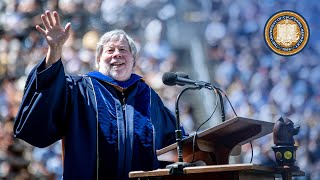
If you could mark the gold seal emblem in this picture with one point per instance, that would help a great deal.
(286, 33)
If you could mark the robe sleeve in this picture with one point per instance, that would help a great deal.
(43, 110)
(164, 122)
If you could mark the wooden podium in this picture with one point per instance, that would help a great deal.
(218, 172)
(213, 146)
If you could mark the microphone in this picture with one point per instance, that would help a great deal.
(182, 75)
(181, 79)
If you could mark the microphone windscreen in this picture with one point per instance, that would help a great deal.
(182, 75)
(169, 78)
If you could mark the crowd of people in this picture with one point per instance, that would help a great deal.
(260, 84)
(263, 85)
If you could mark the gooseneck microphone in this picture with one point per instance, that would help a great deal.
(181, 79)
(177, 167)
(181, 75)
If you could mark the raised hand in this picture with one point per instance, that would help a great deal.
(54, 34)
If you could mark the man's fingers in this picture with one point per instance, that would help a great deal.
(56, 18)
(49, 18)
(45, 21)
(67, 27)
(42, 31)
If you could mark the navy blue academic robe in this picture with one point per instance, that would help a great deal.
(106, 135)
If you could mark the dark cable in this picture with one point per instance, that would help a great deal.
(178, 128)
(237, 116)
(228, 101)
(196, 133)
(251, 152)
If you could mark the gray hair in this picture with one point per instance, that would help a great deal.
(115, 34)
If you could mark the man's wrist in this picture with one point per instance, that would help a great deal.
(53, 55)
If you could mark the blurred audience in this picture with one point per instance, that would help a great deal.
(260, 84)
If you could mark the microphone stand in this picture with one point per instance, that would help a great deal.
(223, 116)
(177, 167)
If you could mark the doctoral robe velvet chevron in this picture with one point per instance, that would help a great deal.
(103, 133)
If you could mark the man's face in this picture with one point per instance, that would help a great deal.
(116, 59)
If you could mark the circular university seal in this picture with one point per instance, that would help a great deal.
(286, 33)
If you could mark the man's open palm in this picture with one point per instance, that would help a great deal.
(54, 33)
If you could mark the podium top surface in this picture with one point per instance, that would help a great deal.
(239, 130)
(202, 169)
(234, 125)
(255, 168)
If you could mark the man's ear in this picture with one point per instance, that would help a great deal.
(98, 59)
